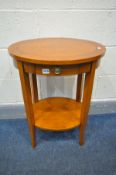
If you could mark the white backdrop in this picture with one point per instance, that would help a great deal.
(24, 19)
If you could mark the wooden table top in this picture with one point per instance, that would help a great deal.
(56, 51)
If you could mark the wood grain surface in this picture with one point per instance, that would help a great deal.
(56, 51)
(57, 113)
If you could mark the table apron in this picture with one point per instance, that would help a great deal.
(64, 70)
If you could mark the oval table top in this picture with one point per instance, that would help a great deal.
(56, 51)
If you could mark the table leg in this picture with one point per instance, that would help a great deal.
(89, 78)
(34, 87)
(24, 77)
(80, 79)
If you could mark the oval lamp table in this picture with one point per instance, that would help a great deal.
(57, 57)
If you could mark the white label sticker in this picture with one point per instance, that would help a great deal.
(45, 71)
(99, 48)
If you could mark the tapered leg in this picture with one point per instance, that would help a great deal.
(80, 79)
(89, 78)
(34, 87)
(24, 77)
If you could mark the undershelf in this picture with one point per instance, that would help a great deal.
(57, 114)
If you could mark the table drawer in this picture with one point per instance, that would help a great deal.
(56, 70)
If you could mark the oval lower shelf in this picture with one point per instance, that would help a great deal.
(57, 114)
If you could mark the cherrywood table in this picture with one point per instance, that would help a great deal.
(57, 57)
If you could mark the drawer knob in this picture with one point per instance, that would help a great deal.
(57, 71)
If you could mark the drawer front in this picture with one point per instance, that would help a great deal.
(56, 70)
